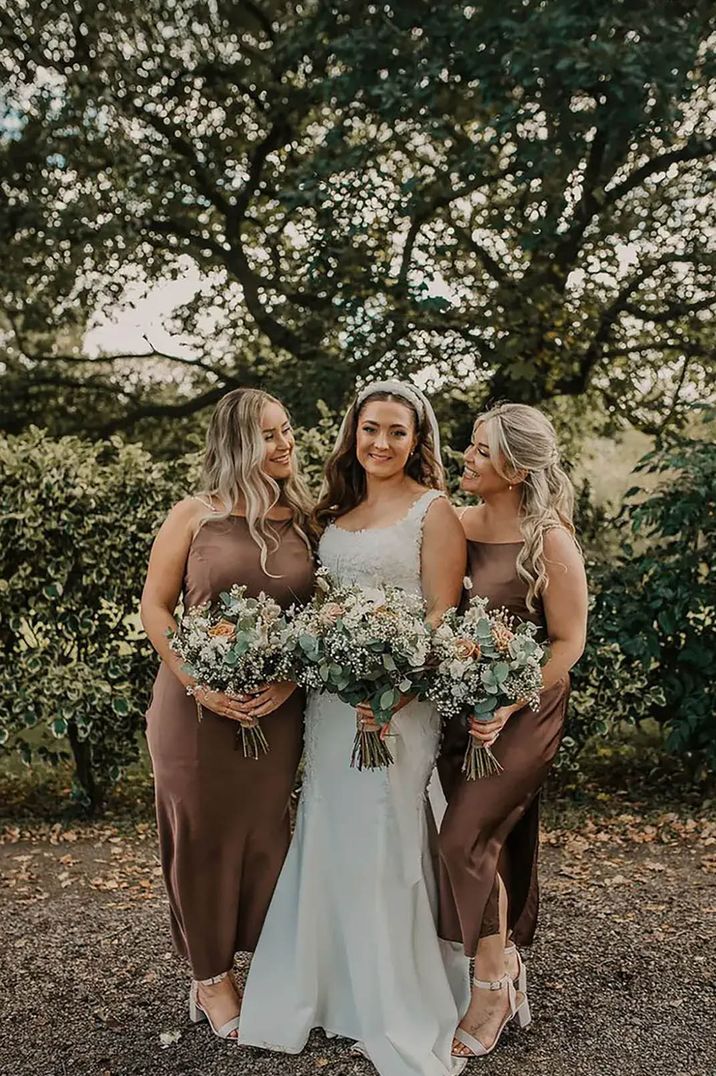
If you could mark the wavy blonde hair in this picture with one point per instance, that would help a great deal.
(344, 483)
(522, 439)
(233, 469)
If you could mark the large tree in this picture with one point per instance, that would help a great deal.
(514, 197)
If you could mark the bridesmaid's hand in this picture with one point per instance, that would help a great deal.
(486, 732)
(225, 705)
(268, 699)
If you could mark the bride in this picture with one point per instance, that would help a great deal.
(349, 943)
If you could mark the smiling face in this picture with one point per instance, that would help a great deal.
(479, 475)
(279, 443)
(385, 437)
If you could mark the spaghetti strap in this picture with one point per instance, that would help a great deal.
(420, 507)
(462, 511)
(207, 504)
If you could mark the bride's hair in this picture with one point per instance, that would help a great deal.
(344, 478)
(522, 439)
(233, 469)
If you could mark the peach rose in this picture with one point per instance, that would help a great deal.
(466, 648)
(223, 629)
(502, 636)
(332, 611)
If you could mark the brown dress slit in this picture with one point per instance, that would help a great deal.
(223, 819)
(491, 826)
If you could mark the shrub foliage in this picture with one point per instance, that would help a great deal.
(652, 643)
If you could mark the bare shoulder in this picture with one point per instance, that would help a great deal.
(185, 515)
(441, 513)
(560, 547)
(559, 540)
(470, 521)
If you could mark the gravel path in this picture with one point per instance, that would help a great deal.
(622, 972)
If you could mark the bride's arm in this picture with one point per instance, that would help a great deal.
(444, 559)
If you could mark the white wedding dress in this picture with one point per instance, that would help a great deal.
(350, 943)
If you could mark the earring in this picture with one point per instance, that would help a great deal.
(510, 487)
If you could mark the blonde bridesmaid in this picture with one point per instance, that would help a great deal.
(523, 555)
(223, 819)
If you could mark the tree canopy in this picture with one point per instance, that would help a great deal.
(511, 199)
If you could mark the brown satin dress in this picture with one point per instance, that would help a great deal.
(223, 819)
(492, 825)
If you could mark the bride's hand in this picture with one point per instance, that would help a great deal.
(366, 721)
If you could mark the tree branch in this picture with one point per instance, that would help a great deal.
(278, 334)
(691, 151)
(185, 149)
(261, 18)
(278, 135)
(676, 310)
(579, 381)
(491, 266)
(181, 410)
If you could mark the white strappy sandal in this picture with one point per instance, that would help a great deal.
(520, 1012)
(521, 978)
(197, 1014)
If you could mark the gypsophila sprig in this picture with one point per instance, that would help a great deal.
(236, 646)
(479, 662)
(363, 644)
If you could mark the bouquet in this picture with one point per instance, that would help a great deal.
(480, 661)
(363, 644)
(235, 646)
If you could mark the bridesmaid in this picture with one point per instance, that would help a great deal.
(223, 819)
(522, 555)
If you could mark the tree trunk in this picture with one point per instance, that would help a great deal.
(82, 751)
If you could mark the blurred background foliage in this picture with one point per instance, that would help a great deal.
(501, 200)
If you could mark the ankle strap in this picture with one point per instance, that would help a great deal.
(214, 979)
(492, 984)
(499, 984)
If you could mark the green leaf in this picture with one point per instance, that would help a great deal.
(59, 727)
(388, 699)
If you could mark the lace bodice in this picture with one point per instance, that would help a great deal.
(379, 554)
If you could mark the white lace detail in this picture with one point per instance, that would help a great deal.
(379, 554)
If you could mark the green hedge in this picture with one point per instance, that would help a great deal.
(652, 634)
(76, 523)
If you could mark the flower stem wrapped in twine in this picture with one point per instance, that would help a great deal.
(370, 751)
(252, 741)
(479, 761)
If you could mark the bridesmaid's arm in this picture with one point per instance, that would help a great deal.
(565, 603)
(162, 588)
(444, 559)
(165, 575)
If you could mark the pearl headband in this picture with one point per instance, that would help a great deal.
(395, 388)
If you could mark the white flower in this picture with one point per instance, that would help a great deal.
(374, 596)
